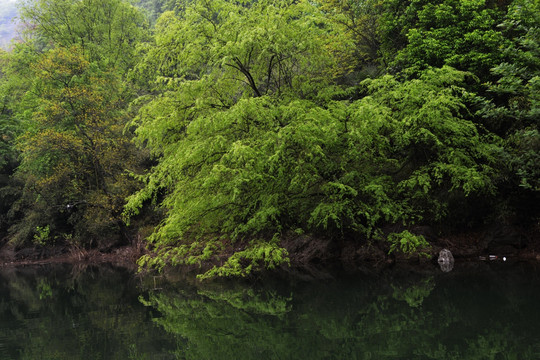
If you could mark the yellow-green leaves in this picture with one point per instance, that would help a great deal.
(74, 156)
(269, 164)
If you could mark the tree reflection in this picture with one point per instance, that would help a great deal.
(55, 313)
(463, 317)
(105, 313)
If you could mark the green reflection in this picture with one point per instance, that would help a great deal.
(68, 313)
(414, 294)
(464, 316)
(106, 313)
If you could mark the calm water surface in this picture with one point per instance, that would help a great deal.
(477, 311)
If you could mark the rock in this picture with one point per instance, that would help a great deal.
(445, 256)
(446, 260)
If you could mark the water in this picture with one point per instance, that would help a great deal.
(477, 311)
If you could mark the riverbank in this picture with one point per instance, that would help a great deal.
(312, 257)
(125, 256)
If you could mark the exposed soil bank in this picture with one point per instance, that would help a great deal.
(313, 257)
(125, 256)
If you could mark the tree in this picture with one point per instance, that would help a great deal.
(512, 108)
(360, 21)
(67, 92)
(15, 100)
(229, 75)
(154, 8)
(461, 34)
(105, 31)
(254, 140)
(74, 154)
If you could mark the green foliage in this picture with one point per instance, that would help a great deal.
(524, 158)
(277, 158)
(105, 30)
(462, 34)
(414, 295)
(409, 244)
(360, 21)
(259, 123)
(42, 234)
(439, 150)
(232, 120)
(514, 99)
(154, 8)
(15, 81)
(15, 99)
(74, 152)
(242, 263)
(512, 107)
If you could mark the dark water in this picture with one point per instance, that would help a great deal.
(478, 311)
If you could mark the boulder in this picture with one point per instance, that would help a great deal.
(446, 260)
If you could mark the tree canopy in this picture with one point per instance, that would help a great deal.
(217, 129)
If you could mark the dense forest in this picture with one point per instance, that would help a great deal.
(220, 130)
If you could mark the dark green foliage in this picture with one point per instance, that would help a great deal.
(74, 156)
(154, 8)
(458, 33)
(514, 92)
(512, 109)
(14, 83)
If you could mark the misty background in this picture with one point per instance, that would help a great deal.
(8, 12)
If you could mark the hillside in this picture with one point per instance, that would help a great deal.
(253, 134)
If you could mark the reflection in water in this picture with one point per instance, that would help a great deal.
(485, 312)
(68, 313)
(446, 266)
(477, 314)
(414, 294)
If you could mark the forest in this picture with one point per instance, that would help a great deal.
(230, 134)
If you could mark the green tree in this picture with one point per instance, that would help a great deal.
(227, 75)
(68, 95)
(154, 8)
(74, 153)
(254, 140)
(497, 42)
(15, 101)
(106, 31)
(360, 21)
(461, 34)
(512, 108)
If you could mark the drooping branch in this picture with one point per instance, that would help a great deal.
(240, 67)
